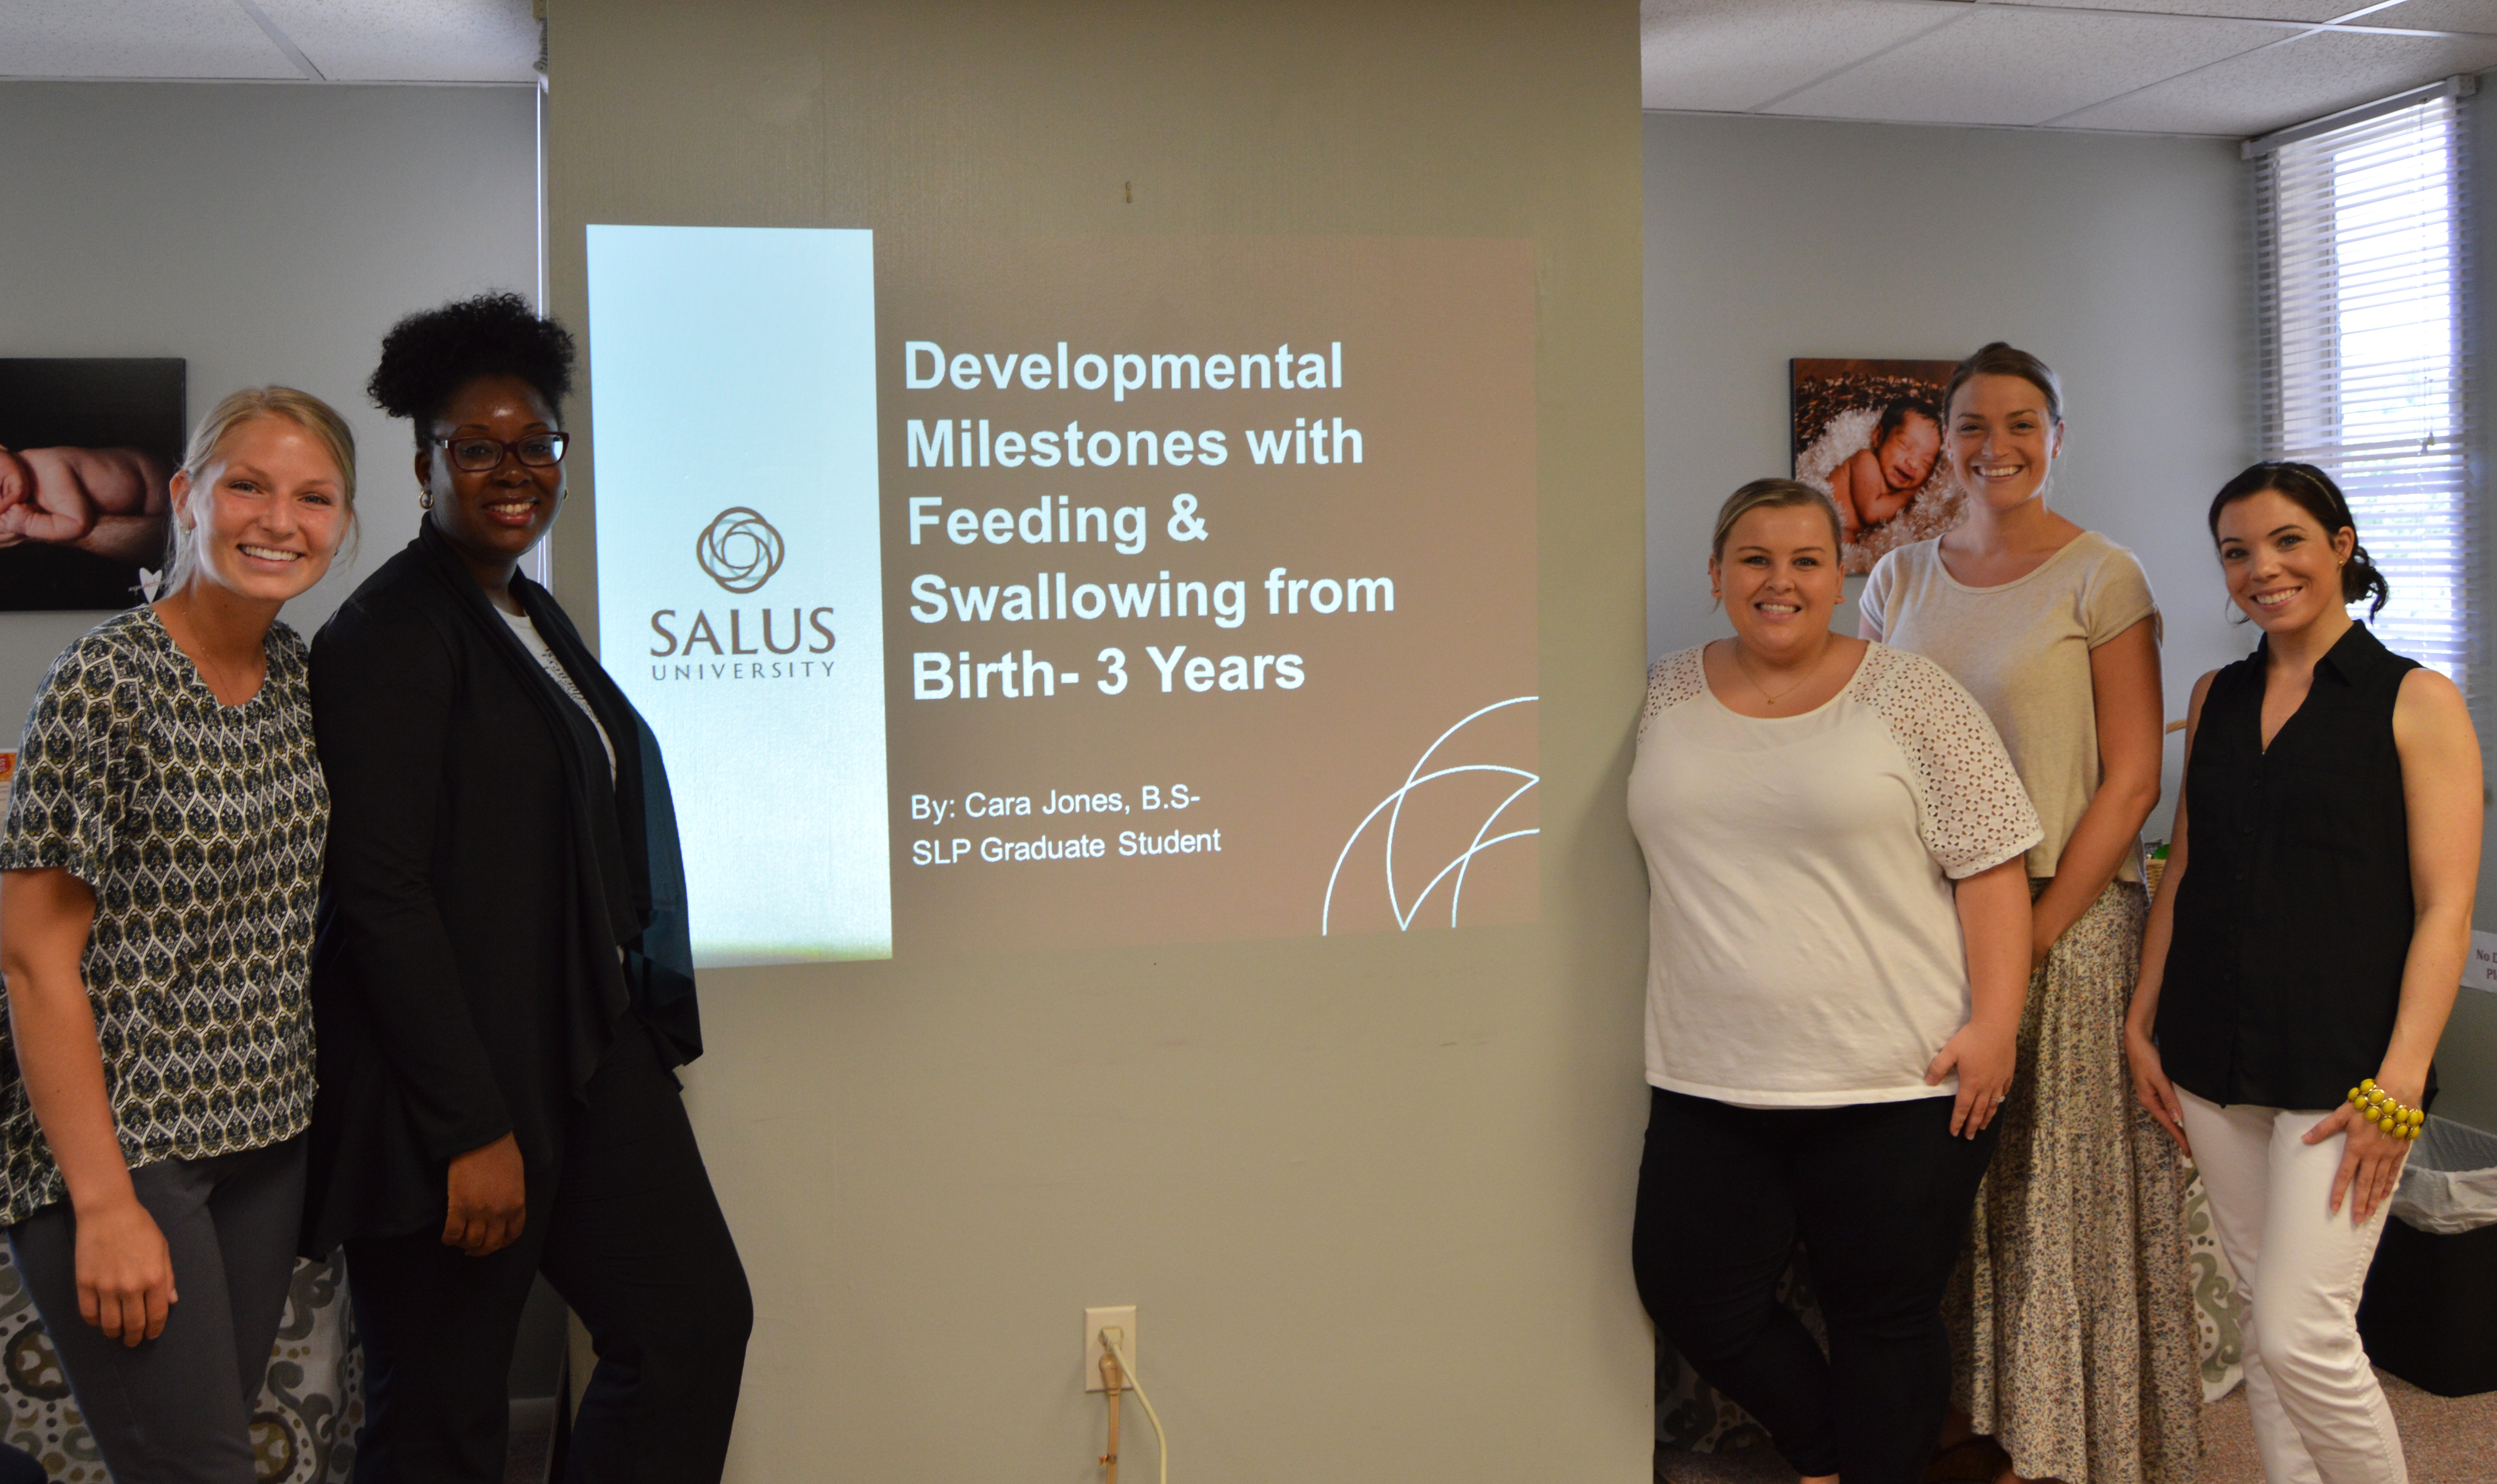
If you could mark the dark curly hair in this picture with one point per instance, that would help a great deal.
(2312, 491)
(431, 354)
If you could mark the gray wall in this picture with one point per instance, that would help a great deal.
(2125, 262)
(263, 233)
(2122, 261)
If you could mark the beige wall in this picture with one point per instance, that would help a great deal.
(1373, 1195)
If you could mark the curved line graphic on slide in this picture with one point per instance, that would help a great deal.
(1393, 807)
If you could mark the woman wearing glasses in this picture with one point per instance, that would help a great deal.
(503, 982)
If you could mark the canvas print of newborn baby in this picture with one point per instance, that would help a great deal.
(1870, 434)
(86, 448)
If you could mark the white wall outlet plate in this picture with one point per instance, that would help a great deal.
(1121, 1316)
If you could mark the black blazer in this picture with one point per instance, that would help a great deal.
(482, 876)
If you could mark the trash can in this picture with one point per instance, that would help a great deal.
(2429, 1313)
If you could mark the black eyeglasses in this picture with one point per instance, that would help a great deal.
(478, 454)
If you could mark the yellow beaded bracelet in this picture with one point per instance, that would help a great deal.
(2378, 1107)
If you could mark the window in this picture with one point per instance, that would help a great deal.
(2361, 222)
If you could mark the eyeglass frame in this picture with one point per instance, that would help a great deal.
(506, 448)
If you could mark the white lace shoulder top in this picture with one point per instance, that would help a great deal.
(1803, 942)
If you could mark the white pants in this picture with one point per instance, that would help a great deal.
(2319, 1415)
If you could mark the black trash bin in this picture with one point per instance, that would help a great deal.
(2429, 1314)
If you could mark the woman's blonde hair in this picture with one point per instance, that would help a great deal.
(1771, 495)
(302, 409)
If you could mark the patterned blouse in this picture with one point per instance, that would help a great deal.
(200, 827)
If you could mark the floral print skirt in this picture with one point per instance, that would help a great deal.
(2075, 1339)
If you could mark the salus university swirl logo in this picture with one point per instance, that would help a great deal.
(738, 549)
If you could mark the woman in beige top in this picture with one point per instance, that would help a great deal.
(2075, 1335)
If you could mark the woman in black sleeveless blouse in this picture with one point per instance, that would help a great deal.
(2312, 941)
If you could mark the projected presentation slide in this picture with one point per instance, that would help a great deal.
(991, 594)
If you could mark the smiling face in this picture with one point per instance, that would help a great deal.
(2002, 440)
(493, 516)
(1909, 454)
(2283, 568)
(1778, 577)
(267, 511)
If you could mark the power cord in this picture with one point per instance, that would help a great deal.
(1116, 1339)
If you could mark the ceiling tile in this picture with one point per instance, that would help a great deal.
(2252, 9)
(412, 40)
(135, 38)
(1730, 55)
(2289, 84)
(2478, 17)
(2015, 65)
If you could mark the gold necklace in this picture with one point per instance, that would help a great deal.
(1809, 671)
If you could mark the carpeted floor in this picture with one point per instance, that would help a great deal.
(2448, 1440)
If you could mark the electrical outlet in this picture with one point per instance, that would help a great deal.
(1122, 1317)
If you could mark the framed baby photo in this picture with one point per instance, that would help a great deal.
(1869, 435)
(86, 448)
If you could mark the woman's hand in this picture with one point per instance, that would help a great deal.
(1983, 1055)
(2150, 1085)
(488, 1199)
(2371, 1161)
(125, 1272)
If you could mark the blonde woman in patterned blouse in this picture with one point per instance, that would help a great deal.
(159, 864)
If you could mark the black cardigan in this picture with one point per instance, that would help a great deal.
(482, 876)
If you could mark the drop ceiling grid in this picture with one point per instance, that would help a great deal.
(2249, 10)
(2478, 17)
(135, 38)
(2007, 64)
(2284, 85)
(400, 40)
(1737, 54)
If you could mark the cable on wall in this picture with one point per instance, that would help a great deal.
(1115, 1342)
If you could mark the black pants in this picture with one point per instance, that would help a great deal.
(176, 1410)
(1881, 1195)
(632, 1239)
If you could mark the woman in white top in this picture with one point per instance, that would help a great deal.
(2072, 1319)
(1838, 921)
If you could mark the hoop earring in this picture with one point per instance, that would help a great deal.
(424, 499)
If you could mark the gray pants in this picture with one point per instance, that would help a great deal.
(176, 1410)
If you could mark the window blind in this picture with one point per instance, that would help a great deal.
(2365, 326)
